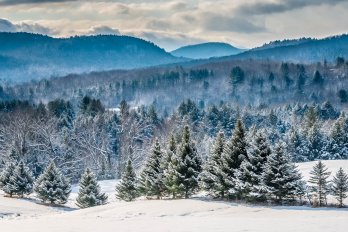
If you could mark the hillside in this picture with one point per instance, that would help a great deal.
(25, 56)
(302, 50)
(195, 215)
(206, 50)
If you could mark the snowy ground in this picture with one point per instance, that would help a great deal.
(169, 215)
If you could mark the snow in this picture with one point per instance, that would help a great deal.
(198, 214)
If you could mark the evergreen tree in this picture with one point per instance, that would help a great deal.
(52, 186)
(89, 193)
(319, 176)
(22, 181)
(167, 156)
(232, 157)
(181, 178)
(6, 176)
(280, 178)
(212, 177)
(151, 179)
(340, 186)
(248, 177)
(126, 190)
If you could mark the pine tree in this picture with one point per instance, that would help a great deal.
(5, 178)
(248, 177)
(212, 177)
(167, 156)
(232, 157)
(151, 179)
(280, 178)
(52, 186)
(319, 176)
(181, 178)
(340, 186)
(126, 190)
(89, 193)
(22, 181)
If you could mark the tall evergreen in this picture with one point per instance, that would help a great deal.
(89, 193)
(340, 186)
(151, 179)
(167, 156)
(181, 177)
(235, 151)
(5, 178)
(248, 178)
(52, 186)
(319, 180)
(281, 179)
(22, 181)
(127, 190)
(212, 177)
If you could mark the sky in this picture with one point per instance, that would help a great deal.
(174, 23)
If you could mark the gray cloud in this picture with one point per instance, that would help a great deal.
(7, 26)
(261, 8)
(103, 30)
(18, 2)
(233, 24)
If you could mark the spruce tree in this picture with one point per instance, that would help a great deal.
(52, 186)
(248, 178)
(22, 181)
(151, 179)
(280, 179)
(212, 177)
(126, 190)
(181, 177)
(232, 157)
(167, 156)
(189, 166)
(89, 193)
(340, 186)
(6, 176)
(319, 180)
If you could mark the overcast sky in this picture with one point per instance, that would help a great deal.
(173, 23)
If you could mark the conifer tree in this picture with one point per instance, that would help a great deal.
(233, 155)
(248, 177)
(52, 186)
(89, 193)
(319, 180)
(212, 177)
(280, 178)
(181, 178)
(5, 178)
(126, 190)
(340, 186)
(167, 156)
(151, 179)
(22, 181)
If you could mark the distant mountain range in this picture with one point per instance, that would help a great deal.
(25, 56)
(206, 50)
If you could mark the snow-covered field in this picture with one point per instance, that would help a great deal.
(170, 215)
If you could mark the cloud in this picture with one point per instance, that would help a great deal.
(262, 8)
(215, 22)
(18, 2)
(102, 30)
(7, 26)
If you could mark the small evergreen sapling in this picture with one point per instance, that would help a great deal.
(21, 183)
(5, 178)
(340, 186)
(89, 193)
(319, 180)
(126, 190)
(52, 186)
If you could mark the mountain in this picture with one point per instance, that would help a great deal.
(206, 50)
(25, 56)
(302, 50)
